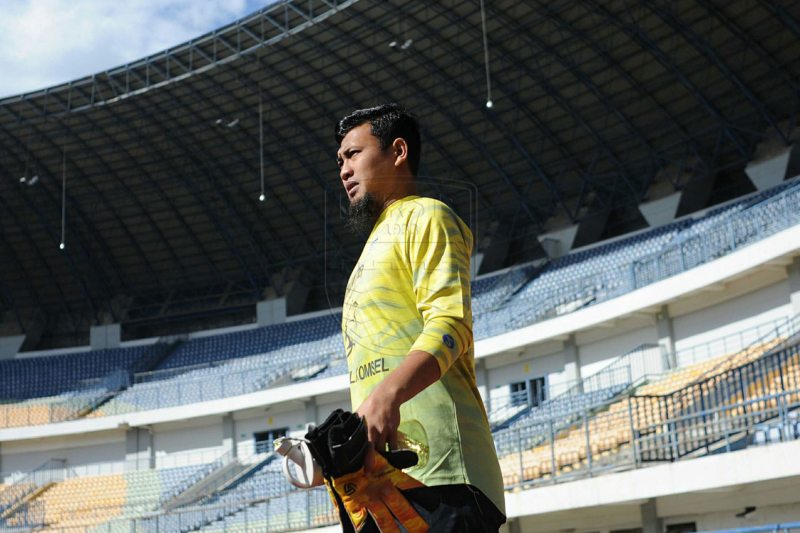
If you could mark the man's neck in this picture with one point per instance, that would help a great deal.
(409, 191)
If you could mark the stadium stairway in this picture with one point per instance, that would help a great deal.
(211, 478)
(619, 377)
(218, 499)
(30, 486)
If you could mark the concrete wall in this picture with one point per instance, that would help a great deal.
(598, 354)
(746, 311)
(187, 438)
(78, 451)
(600, 346)
(551, 367)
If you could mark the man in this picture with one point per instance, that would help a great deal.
(407, 323)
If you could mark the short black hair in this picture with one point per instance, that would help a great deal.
(387, 123)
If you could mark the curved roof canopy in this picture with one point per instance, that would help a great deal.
(162, 157)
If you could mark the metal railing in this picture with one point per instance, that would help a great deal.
(26, 517)
(626, 371)
(172, 496)
(605, 442)
(738, 231)
(183, 390)
(290, 510)
(716, 412)
(726, 344)
(87, 396)
(51, 471)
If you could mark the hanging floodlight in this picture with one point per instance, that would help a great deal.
(261, 141)
(63, 194)
(489, 102)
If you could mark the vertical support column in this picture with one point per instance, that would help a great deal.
(482, 380)
(229, 435)
(310, 407)
(793, 271)
(131, 449)
(572, 360)
(148, 446)
(271, 312)
(139, 450)
(106, 336)
(512, 525)
(666, 336)
(10, 346)
(651, 523)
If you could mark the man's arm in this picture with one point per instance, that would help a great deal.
(382, 407)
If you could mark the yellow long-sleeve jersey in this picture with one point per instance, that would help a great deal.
(411, 291)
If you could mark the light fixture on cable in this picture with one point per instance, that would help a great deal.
(489, 103)
(261, 141)
(63, 195)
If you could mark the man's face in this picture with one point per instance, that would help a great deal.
(363, 167)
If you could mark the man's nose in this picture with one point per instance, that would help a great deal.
(345, 172)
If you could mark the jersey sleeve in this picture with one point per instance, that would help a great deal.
(438, 248)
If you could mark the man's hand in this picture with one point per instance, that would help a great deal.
(383, 417)
(382, 407)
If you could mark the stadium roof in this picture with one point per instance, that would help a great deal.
(592, 102)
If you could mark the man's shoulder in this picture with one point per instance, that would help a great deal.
(424, 209)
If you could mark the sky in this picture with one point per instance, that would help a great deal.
(47, 42)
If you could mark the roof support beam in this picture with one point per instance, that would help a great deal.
(632, 30)
(344, 96)
(174, 138)
(35, 247)
(519, 106)
(704, 48)
(54, 178)
(536, 217)
(316, 106)
(159, 63)
(260, 248)
(67, 254)
(610, 63)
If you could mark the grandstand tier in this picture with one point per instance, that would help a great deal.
(628, 172)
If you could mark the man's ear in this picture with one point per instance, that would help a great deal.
(400, 147)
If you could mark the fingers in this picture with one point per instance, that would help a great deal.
(369, 460)
(377, 437)
(391, 439)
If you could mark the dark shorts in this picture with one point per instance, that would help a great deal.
(452, 509)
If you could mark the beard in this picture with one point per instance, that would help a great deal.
(363, 214)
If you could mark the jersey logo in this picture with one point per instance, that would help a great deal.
(448, 341)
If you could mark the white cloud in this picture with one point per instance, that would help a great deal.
(46, 42)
